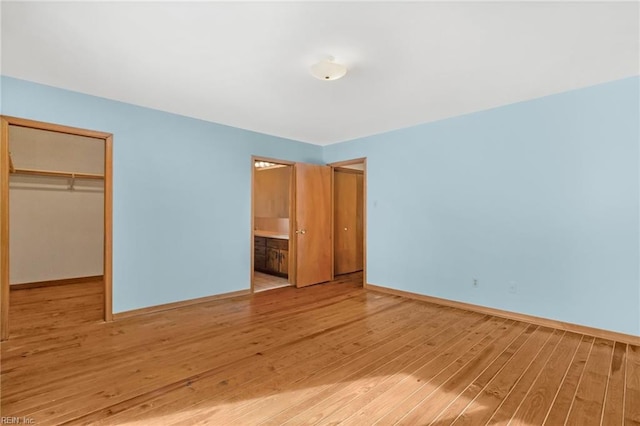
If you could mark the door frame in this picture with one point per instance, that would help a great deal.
(5, 122)
(292, 257)
(334, 166)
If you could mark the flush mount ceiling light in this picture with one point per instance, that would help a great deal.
(328, 70)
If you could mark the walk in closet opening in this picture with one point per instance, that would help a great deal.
(55, 205)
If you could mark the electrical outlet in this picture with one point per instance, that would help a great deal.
(513, 287)
(475, 282)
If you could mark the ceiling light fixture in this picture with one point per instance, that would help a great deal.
(328, 70)
(263, 164)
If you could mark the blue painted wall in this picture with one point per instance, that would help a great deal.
(181, 192)
(543, 193)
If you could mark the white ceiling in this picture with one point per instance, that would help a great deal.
(247, 64)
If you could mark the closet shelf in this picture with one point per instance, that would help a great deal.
(55, 173)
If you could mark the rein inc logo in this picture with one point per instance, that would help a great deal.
(11, 420)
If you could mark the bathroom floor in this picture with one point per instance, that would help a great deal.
(262, 281)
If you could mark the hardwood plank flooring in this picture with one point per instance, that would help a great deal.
(42, 310)
(326, 354)
(632, 388)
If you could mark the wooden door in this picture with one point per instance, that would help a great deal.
(312, 224)
(348, 229)
(345, 197)
(360, 222)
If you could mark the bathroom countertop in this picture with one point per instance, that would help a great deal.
(271, 234)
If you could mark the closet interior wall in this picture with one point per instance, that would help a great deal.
(56, 206)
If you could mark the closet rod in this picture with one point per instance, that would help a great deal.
(36, 172)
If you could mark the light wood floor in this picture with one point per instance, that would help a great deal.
(325, 354)
(47, 309)
(262, 281)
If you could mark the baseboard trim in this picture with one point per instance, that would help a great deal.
(176, 305)
(51, 283)
(567, 326)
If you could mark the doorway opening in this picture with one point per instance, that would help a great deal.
(55, 242)
(349, 218)
(271, 218)
(292, 228)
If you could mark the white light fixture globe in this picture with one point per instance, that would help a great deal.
(328, 70)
